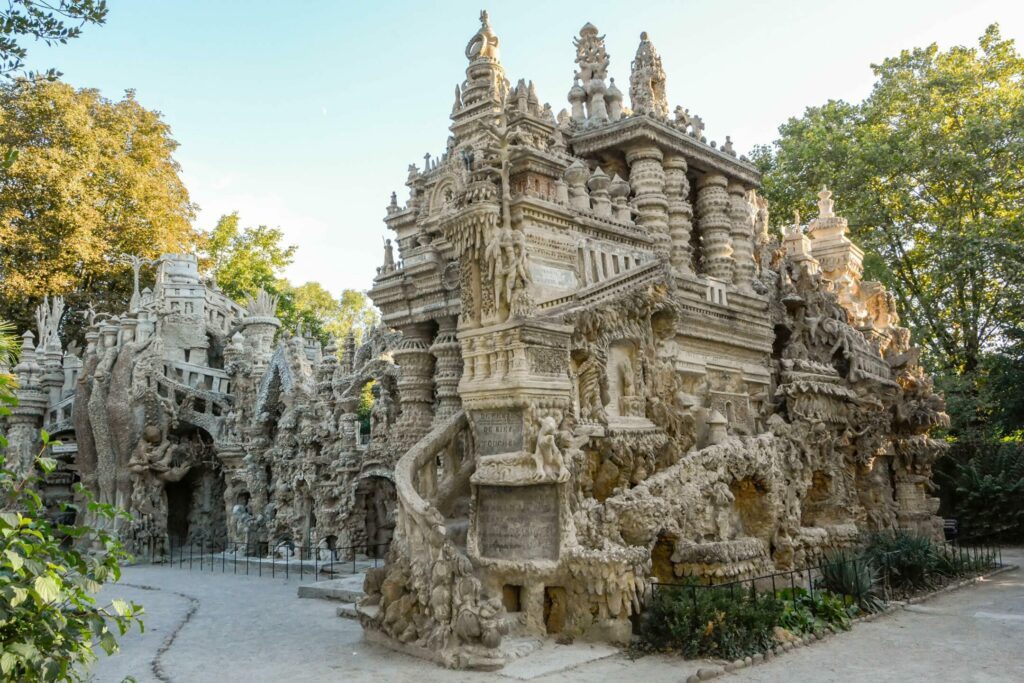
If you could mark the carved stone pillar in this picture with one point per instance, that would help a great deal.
(26, 417)
(741, 214)
(714, 224)
(647, 178)
(415, 383)
(447, 370)
(680, 213)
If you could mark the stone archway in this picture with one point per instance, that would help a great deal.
(195, 503)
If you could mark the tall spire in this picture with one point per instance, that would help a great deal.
(647, 81)
(485, 78)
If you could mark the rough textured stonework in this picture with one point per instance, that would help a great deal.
(184, 411)
(652, 385)
(599, 370)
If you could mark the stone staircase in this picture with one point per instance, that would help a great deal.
(347, 590)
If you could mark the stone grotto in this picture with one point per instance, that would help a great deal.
(597, 369)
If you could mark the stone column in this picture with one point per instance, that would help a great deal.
(680, 213)
(415, 383)
(447, 370)
(741, 215)
(713, 222)
(26, 417)
(647, 178)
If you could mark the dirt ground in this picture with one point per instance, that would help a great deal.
(238, 628)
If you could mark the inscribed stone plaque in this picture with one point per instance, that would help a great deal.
(498, 431)
(553, 276)
(518, 522)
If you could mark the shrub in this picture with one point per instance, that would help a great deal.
(805, 612)
(989, 489)
(852, 576)
(908, 560)
(709, 622)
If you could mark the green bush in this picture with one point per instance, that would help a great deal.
(953, 562)
(847, 574)
(908, 560)
(989, 490)
(709, 622)
(805, 612)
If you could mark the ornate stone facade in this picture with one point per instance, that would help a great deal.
(652, 386)
(185, 412)
(601, 370)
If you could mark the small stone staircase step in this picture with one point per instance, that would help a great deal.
(347, 610)
(348, 589)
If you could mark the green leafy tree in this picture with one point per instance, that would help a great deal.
(929, 171)
(245, 260)
(50, 620)
(48, 21)
(313, 308)
(92, 179)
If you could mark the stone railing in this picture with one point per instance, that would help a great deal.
(606, 289)
(58, 418)
(416, 479)
(198, 376)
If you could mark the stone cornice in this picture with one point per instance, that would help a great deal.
(643, 129)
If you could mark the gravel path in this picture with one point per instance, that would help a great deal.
(214, 627)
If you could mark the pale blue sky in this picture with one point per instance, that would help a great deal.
(306, 114)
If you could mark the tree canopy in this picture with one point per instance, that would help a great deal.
(318, 313)
(929, 170)
(48, 21)
(93, 179)
(245, 260)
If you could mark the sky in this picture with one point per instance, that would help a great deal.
(305, 115)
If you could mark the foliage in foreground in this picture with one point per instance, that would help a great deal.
(733, 621)
(50, 621)
(42, 21)
(847, 574)
(710, 622)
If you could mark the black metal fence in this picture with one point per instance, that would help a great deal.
(976, 555)
(283, 559)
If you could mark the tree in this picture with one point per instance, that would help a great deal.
(318, 313)
(92, 179)
(245, 260)
(930, 171)
(51, 22)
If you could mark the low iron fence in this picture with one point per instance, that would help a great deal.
(979, 555)
(261, 558)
